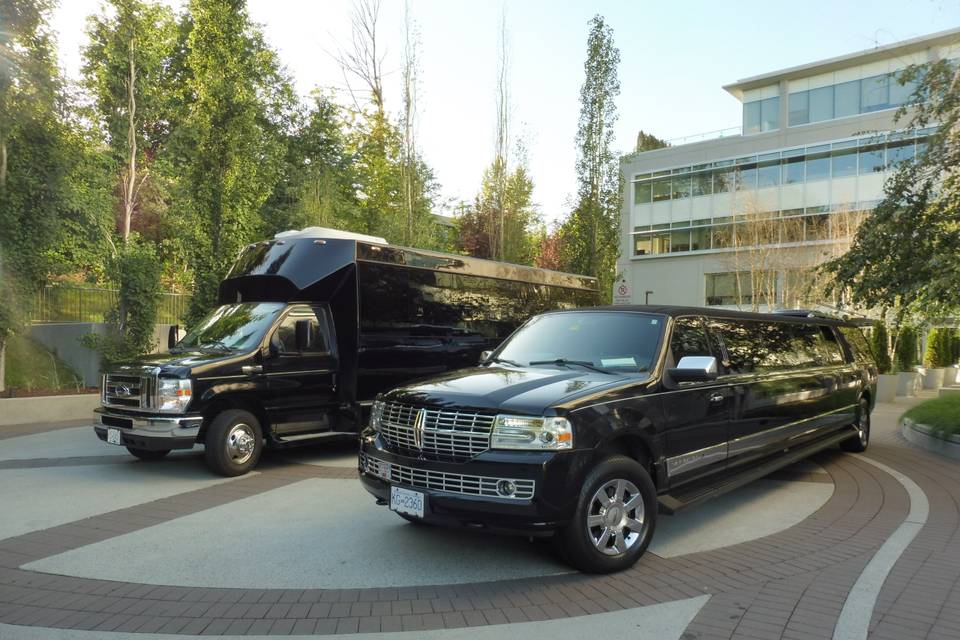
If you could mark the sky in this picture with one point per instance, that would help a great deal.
(675, 57)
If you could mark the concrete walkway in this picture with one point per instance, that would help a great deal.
(834, 547)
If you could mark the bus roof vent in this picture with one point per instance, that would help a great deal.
(328, 234)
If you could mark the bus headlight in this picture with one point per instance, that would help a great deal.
(173, 395)
(525, 432)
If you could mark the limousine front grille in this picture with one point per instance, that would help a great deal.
(127, 391)
(484, 486)
(436, 434)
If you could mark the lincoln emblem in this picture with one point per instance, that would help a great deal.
(419, 424)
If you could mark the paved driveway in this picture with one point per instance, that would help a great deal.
(95, 544)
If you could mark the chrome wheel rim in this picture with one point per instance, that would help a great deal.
(241, 443)
(615, 517)
(863, 426)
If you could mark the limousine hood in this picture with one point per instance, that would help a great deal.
(529, 390)
(187, 363)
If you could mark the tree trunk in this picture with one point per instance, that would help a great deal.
(3, 364)
(130, 188)
(3, 162)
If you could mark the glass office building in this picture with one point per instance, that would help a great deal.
(816, 145)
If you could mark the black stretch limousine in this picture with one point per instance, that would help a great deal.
(585, 423)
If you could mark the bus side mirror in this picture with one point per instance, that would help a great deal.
(173, 336)
(485, 355)
(694, 369)
(302, 329)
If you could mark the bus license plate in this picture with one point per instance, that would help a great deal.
(406, 501)
(113, 436)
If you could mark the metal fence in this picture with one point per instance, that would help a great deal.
(56, 303)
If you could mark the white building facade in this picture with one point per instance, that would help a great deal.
(817, 143)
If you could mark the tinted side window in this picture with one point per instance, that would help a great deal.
(829, 346)
(689, 339)
(741, 343)
(858, 343)
(284, 339)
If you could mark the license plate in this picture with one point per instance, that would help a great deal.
(407, 501)
(113, 436)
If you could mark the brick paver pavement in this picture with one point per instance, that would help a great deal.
(792, 584)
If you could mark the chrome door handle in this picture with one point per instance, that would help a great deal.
(716, 397)
(251, 369)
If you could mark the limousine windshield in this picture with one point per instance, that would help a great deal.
(610, 341)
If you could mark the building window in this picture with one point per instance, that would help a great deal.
(747, 177)
(843, 163)
(799, 104)
(793, 170)
(846, 99)
(681, 186)
(702, 184)
(732, 288)
(761, 115)
(875, 93)
(871, 160)
(821, 104)
(661, 189)
(818, 167)
(700, 238)
(768, 174)
(642, 192)
(899, 153)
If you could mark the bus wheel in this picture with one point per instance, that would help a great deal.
(234, 443)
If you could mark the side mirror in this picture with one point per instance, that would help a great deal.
(694, 369)
(303, 330)
(173, 336)
(485, 355)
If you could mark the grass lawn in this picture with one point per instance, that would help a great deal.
(941, 414)
(30, 366)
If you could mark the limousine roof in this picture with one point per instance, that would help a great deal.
(713, 312)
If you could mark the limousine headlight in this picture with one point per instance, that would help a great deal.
(525, 432)
(376, 414)
(173, 395)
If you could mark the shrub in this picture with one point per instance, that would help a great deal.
(132, 322)
(879, 346)
(937, 354)
(906, 352)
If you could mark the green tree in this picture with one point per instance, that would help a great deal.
(36, 152)
(880, 347)
(126, 69)
(317, 187)
(232, 144)
(905, 354)
(648, 142)
(937, 354)
(909, 249)
(591, 234)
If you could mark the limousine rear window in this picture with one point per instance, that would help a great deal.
(615, 341)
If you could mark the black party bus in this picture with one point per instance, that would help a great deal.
(311, 326)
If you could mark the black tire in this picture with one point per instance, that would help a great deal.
(859, 442)
(592, 549)
(233, 443)
(147, 454)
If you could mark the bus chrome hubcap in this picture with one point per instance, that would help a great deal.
(240, 443)
(615, 519)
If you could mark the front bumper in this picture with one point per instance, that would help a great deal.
(451, 487)
(149, 432)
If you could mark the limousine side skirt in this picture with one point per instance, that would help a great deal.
(685, 497)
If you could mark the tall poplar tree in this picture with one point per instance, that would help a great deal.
(591, 233)
(240, 104)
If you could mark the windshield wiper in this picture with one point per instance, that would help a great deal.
(563, 362)
(505, 361)
(215, 344)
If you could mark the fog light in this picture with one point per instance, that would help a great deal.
(506, 488)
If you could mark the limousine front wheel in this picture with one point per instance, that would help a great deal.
(614, 520)
(858, 443)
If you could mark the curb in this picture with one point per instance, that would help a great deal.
(40, 409)
(922, 436)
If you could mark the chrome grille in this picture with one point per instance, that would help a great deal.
(448, 482)
(126, 391)
(441, 435)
